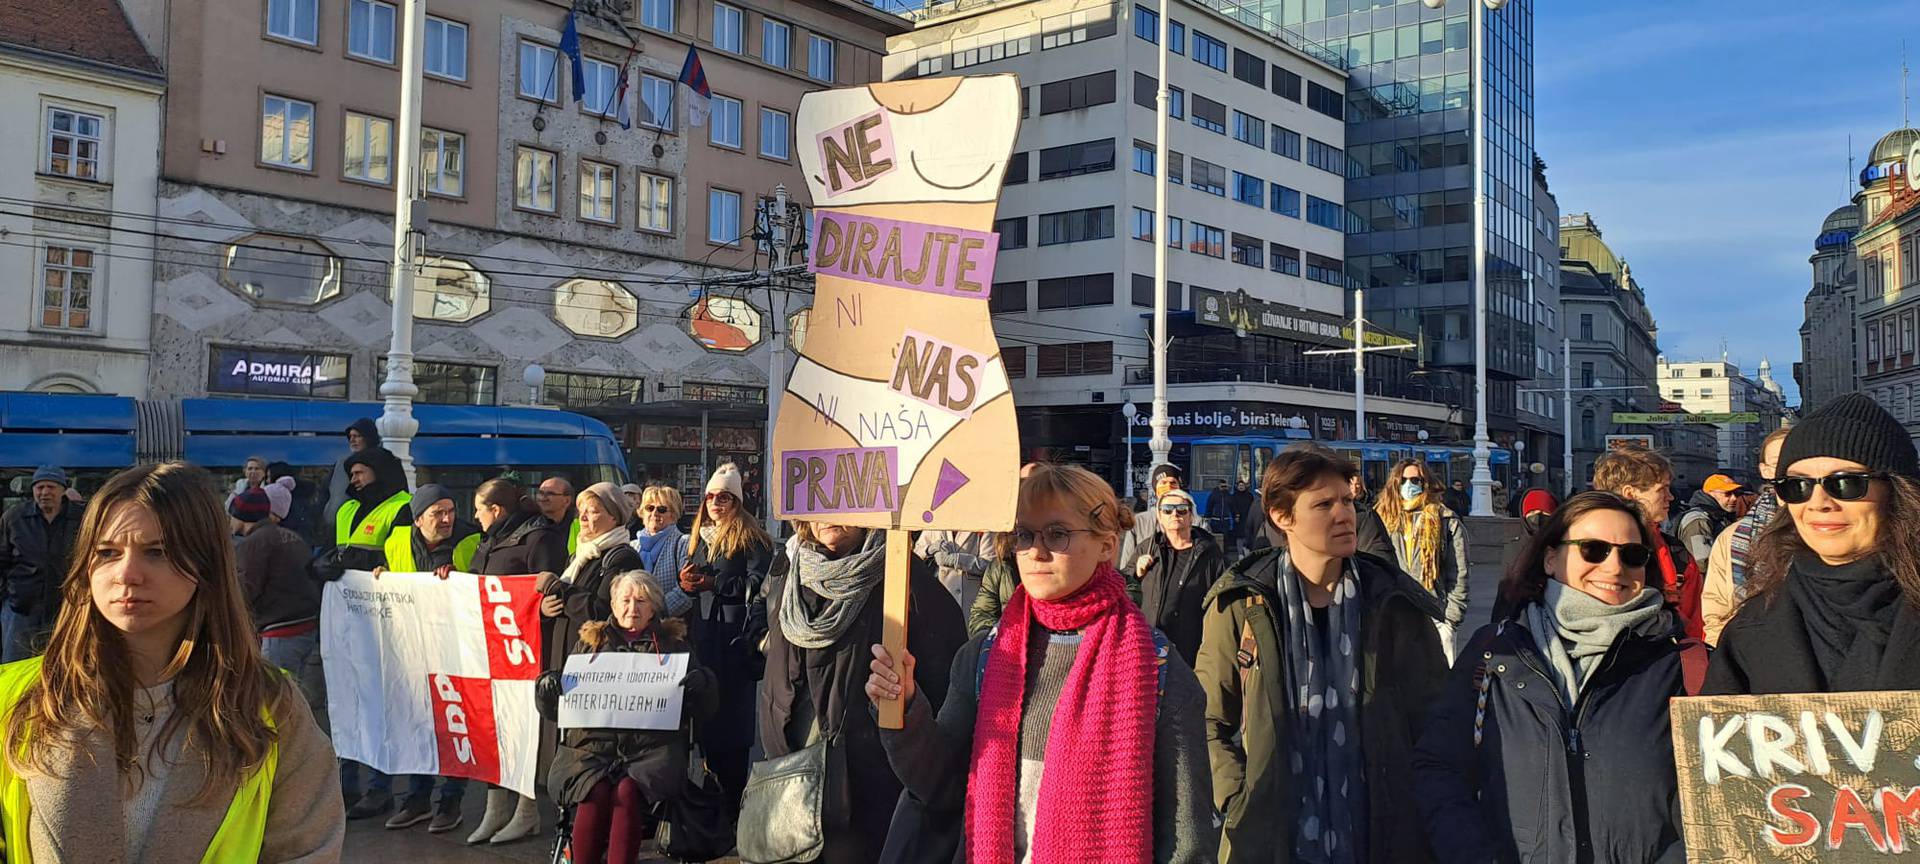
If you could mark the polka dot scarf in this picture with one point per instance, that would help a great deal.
(1323, 681)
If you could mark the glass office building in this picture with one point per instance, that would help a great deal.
(1409, 186)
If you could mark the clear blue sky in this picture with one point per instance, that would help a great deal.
(1709, 140)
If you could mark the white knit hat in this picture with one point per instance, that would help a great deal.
(726, 478)
(279, 496)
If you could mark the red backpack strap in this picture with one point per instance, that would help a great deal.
(1693, 665)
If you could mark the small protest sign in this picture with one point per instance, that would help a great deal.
(1799, 777)
(622, 690)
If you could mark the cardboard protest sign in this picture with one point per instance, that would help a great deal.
(1799, 777)
(433, 676)
(622, 690)
(898, 412)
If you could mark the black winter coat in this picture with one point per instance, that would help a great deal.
(589, 598)
(34, 554)
(721, 642)
(1545, 786)
(518, 547)
(833, 683)
(655, 759)
(1766, 649)
(1172, 599)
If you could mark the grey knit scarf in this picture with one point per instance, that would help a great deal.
(1574, 630)
(845, 583)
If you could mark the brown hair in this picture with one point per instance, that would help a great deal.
(1897, 549)
(1075, 488)
(1633, 466)
(221, 684)
(1390, 505)
(1526, 578)
(1297, 469)
(504, 494)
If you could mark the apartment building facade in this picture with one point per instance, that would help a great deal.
(1829, 365)
(1719, 387)
(1888, 249)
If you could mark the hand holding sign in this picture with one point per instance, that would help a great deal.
(621, 690)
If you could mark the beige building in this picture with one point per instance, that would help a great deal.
(556, 237)
(1719, 387)
(1888, 249)
(79, 160)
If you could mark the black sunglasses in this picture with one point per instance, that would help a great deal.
(1840, 485)
(1596, 551)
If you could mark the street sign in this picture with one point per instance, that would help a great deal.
(1616, 442)
(1680, 418)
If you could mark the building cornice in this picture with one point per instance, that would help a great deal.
(83, 68)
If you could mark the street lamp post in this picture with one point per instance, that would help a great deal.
(396, 423)
(1129, 411)
(1160, 444)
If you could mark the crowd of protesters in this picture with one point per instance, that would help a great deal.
(1095, 684)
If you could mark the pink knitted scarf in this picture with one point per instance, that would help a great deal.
(1096, 796)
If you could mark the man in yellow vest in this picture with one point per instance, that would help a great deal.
(377, 503)
(556, 507)
(437, 541)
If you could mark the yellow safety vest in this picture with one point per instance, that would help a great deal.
(373, 530)
(239, 837)
(400, 551)
(573, 537)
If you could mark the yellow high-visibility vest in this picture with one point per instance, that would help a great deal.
(400, 551)
(238, 838)
(373, 531)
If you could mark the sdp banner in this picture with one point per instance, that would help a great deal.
(435, 676)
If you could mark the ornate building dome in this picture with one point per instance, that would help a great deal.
(1894, 146)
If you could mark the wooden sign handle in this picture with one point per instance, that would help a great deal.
(893, 606)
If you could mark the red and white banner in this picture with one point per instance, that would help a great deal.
(433, 676)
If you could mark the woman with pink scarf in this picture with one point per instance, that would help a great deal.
(1071, 731)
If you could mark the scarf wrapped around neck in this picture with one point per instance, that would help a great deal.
(655, 548)
(1574, 629)
(1323, 685)
(1096, 795)
(844, 583)
(1417, 526)
(1744, 531)
(594, 548)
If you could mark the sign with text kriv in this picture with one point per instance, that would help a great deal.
(622, 690)
(434, 676)
(898, 413)
(1677, 418)
(1799, 777)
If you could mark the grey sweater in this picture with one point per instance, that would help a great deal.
(931, 753)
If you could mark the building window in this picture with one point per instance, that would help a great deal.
(1015, 360)
(723, 217)
(1142, 224)
(776, 43)
(1007, 297)
(1586, 374)
(1326, 157)
(534, 180)
(1249, 129)
(729, 24)
(66, 288)
(1326, 101)
(1176, 168)
(601, 86)
(451, 383)
(1075, 358)
(1146, 24)
(286, 133)
(1248, 251)
(1906, 333)
(1249, 68)
(1706, 392)
(1327, 271)
(820, 59)
(73, 144)
(1073, 226)
(1209, 51)
(723, 128)
(539, 72)
(579, 390)
(1207, 177)
(1206, 240)
(1085, 91)
(1286, 142)
(1016, 169)
(1084, 158)
(1143, 158)
(369, 150)
(1587, 432)
(446, 49)
(1892, 347)
(1249, 190)
(656, 96)
(1286, 85)
(443, 157)
(370, 30)
(1176, 103)
(1143, 292)
(1012, 231)
(449, 289)
(1059, 31)
(1176, 229)
(1283, 200)
(1283, 259)
(657, 14)
(1325, 214)
(1209, 115)
(599, 190)
(656, 203)
(1072, 292)
(294, 20)
(1586, 327)
(278, 269)
(595, 307)
(776, 134)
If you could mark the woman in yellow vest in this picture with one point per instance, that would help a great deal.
(152, 730)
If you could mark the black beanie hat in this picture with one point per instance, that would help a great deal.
(1855, 428)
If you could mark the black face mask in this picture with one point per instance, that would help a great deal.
(1533, 521)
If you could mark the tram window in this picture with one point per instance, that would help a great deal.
(1212, 464)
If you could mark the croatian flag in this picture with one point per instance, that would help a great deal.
(622, 111)
(695, 77)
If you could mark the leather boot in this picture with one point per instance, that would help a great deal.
(526, 821)
(499, 811)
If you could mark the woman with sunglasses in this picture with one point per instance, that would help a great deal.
(1833, 597)
(728, 558)
(1429, 542)
(1550, 742)
(1318, 664)
(1070, 731)
(661, 544)
(1180, 565)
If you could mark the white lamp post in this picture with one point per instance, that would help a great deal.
(1482, 448)
(396, 423)
(1161, 445)
(1129, 411)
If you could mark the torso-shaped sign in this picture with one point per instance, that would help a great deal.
(898, 413)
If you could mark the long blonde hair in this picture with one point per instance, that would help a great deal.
(731, 537)
(221, 684)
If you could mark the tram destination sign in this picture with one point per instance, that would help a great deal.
(1677, 418)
